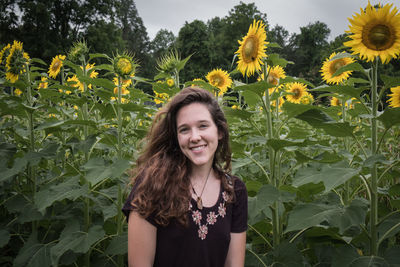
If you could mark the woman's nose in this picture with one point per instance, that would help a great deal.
(195, 136)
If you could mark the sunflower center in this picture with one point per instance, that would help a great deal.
(273, 79)
(56, 65)
(217, 80)
(124, 65)
(296, 93)
(378, 37)
(337, 64)
(250, 49)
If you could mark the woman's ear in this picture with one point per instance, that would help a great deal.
(220, 135)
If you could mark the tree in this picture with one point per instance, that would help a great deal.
(162, 42)
(192, 40)
(306, 51)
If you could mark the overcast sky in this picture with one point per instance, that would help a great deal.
(291, 14)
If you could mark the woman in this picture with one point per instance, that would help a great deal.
(185, 209)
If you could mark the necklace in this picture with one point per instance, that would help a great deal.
(199, 201)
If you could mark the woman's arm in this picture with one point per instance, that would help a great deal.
(142, 237)
(236, 251)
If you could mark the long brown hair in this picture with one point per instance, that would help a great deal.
(162, 170)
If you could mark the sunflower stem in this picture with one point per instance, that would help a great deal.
(275, 206)
(374, 172)
(31, 169)
(120, 258)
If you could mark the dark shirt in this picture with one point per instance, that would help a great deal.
(205, 241)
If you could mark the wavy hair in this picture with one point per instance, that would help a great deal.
(162, 171)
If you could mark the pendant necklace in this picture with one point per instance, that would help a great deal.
(199, 201)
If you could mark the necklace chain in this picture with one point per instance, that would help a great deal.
(199, 200)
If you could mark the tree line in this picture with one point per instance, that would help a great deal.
(48, 28)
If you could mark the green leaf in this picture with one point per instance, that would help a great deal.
(259, 88)
(72, 238)
(390, 117)
(351, 67)
(18, 166)
(118, 245)
(369, 261)
(330, 176)
(278, 144)
(344, 256)
(4, 237)
(70, 189)
(7, 150)
(237, 113)
(392, 256)
(344, 90)
(251, 98)
(318, 119)
(292, 110)
(379, 158)
(34, 254)
(275, 59)
(97, 170)
(390, 81)
(290, 79)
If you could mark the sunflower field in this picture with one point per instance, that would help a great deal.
(321, 163)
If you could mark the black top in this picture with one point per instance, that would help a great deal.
(205, 241)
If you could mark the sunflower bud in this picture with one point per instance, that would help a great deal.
(124, 65)
(78, 51)
(15, 62)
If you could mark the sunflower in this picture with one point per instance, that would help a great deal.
(335, 102)
(170, 82)
(76, 83)
(252, 49)
(15, 62)
(274, 74)
(296, 91)
(220, 79)
(55, 66)
(43, 84)
(124, 91)
(329, 67)
(394, 100)
(17, 92)
(5, 51)
(375, 32)
(124, 65)
(307, 99)
(90, 69)
(160, 98)
(78, 51)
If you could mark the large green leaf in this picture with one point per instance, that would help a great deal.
(72, 238)
(327, 211)
(292, 110)
(330, 176)
(344, 90)
(319, 119)
(4, 237)
(390, 81)
(344, 256)
(390, 117)
(70, 189)
(258, 88)
(118, 245)
(392, 256)
(18, 166)
(97, 169)
(34, 254)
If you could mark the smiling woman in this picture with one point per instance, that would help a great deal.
(185, 209)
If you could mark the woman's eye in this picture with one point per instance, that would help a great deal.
(203, 126)
(182, 130)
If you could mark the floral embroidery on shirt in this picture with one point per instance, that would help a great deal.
(211, 217)
(222, 210)
(196, 217)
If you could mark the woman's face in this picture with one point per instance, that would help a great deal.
(197, 134)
